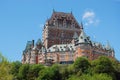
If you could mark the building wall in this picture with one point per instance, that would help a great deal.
(66, 56)
(59, 29)
(92, 53)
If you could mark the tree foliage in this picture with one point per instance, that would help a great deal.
(102, 68)
(5, 69)
(50, 73)
(15, 68)
(34, 71)
(103, 65)
(89, 77)
(23, 72)
(81, 65)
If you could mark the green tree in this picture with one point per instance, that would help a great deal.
(15, 68)
(91, 77)
(64, 72)
(5, 69)
(81, 65)
(34, 71)
(116, 65)
(23, 72)
(50, 73)
(102, 65)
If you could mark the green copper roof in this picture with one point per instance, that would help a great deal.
(61, 47)
(108, 47)
(83, 38)
(95, 43)
(39, 42)
(29, 44)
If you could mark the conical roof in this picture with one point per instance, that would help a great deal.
(39, 42)
(83, 38)
(108, 47)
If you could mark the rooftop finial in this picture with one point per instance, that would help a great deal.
(81, 25)
(108, 47)
(53, 10)
(71, 12)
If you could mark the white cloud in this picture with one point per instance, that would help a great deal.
(89, 18)
(88, 14)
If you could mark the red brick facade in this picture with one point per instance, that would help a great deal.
(59, 29)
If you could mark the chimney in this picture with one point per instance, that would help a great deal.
(33, 43)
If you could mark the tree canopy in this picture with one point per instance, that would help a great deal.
(102, 68)
(5, 69)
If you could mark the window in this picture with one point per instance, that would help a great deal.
(81, 37)
(85, 40)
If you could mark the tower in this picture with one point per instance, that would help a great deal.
(83, 46)
(59, 29)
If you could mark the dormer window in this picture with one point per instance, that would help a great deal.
(81, 37)
(67, 49)
(88, 38)
(72, 49)
(56, 49)
(85, 40)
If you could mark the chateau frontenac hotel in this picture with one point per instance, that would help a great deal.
(63, 40)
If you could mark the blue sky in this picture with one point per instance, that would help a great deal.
(22, 20)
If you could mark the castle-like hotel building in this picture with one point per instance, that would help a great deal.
(63, 41)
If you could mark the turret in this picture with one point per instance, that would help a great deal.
(83, 41)
(39, 44)
(83, 38)
(108, 47)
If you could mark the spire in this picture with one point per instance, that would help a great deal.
(81, 25)
(53, 10)
(71, 12)
(108, 47)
